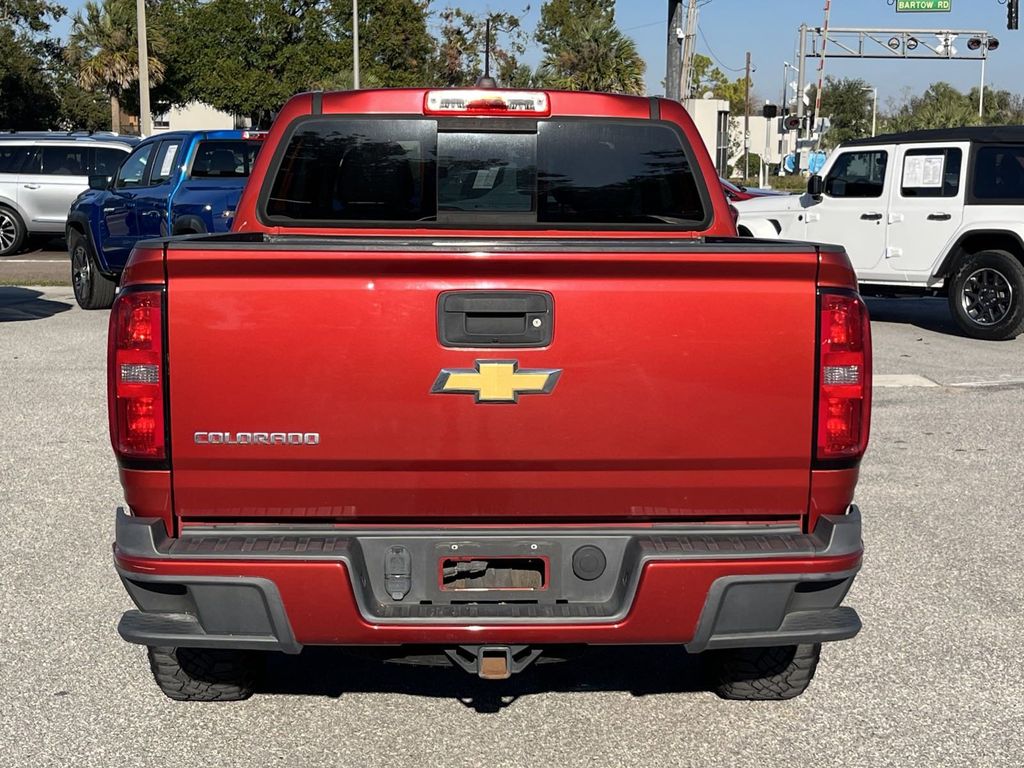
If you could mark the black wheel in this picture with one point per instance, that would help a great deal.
(765, 674)
(92, 290)
(205, 674)
(12, 232)
(986, 296)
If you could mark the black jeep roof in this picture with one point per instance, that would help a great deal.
(995, 134)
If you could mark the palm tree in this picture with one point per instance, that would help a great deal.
(594, 55)
(103, 49)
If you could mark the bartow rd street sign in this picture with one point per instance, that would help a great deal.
(923, 6)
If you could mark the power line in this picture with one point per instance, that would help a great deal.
(713, 56)
(660, 22)
(644, 26)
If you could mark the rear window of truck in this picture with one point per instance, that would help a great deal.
(224, 159)
(337, 170)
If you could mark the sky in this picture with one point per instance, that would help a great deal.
(768, 29)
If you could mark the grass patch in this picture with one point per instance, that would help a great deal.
(35, 282)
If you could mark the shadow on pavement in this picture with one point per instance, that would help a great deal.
(27, 304)
(924, 312)
(332, 672)
(47, 243)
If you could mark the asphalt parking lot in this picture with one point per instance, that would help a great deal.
(934, 679)
(44, 262)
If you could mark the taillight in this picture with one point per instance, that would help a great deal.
(844, 377)
(135, 375)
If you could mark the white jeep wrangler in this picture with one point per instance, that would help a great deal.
(929, 212)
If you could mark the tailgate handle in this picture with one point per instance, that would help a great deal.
(489, 319)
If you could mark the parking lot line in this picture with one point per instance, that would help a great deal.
(903, 380)
(996, 383)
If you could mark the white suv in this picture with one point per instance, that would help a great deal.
(41, 174)
(936, 212)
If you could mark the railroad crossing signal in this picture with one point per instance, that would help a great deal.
(945, 46)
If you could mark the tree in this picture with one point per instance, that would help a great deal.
(735, 92)
(248, 57)
(1000, 107)
(460, 49)
(78, 108)
(940, 106)
(847, 105)
(27, 96)
(557, 15)
(103, 50)
(943, 106)
(593, 55)
(706, 78)
(395, 45)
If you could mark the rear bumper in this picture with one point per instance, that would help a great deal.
(279, 588)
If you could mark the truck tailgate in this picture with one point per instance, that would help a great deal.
(685, 387)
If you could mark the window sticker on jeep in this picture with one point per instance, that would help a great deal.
(931, 172)
(924, 171)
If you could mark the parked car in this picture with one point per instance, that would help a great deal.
(42, 173)
(172, 184)
(734, 193)
(934, 212)
(487, 372)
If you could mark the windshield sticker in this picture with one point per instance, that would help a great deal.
(485, 179)
(924, 171)
(172, 151)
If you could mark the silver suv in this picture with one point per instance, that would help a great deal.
(41, 174)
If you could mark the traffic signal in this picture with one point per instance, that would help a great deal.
(1013, 14)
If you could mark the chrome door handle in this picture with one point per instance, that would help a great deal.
(940, 216)
(33, 186)
(151, 213)
(871, 217)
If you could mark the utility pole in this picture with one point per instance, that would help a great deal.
(689, 49)
(801, 108)
(672, 61)
(874, 114)
(145, 117)
(981, 93)
(487, 47)
(874, 108)
(355, 44)
(746, 121)
(821, 63)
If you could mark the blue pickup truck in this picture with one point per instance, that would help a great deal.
(186, 182)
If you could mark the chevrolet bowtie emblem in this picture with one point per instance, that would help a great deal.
(496, 381)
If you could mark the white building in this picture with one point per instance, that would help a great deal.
(196, 117)
(723, 134)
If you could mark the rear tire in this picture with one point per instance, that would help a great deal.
(205, 674)
(92, 290)
(986, 296)
(776, 673)
(12, 232)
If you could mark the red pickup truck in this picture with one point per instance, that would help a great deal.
(487, 372)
